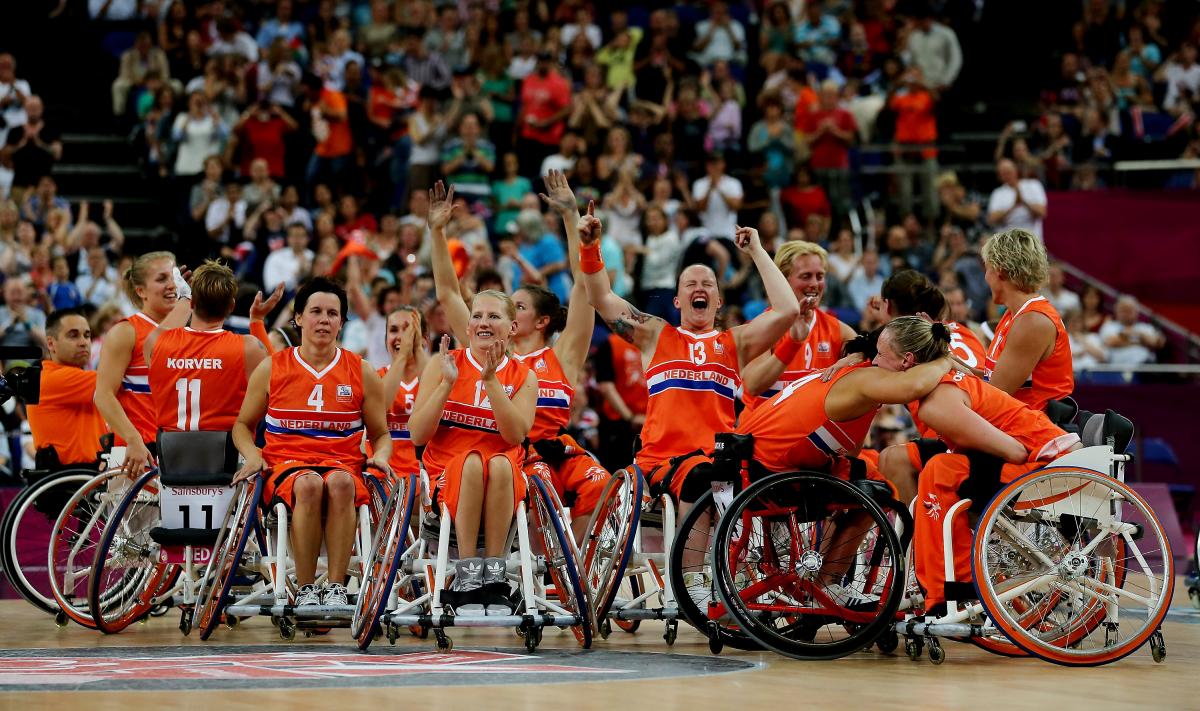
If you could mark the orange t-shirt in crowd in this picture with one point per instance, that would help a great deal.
(627, 376)
(134, 395)
(915, 120)
(65, 417)
(693, 382)
(314, 418)
(198, 379)
(554, 393)
(821, 349)
(404, 452)
(1032, 428)
(340, 141)
(468, 422)
(791, 430)
(1052, 378)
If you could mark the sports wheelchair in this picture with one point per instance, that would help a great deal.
(404, 587)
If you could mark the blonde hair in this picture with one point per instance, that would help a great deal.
(926, 340)
(1020, 256)
(214, 287)
(510, 308)
(135, 275)
(786, 255)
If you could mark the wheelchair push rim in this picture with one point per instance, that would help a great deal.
(387, 552)
(73, 543)
(241, 521)
(560, 553)
(610, 539)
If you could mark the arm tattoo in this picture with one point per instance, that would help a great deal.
(622, 328)
(623, 324)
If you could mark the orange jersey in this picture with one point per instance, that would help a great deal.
(1030, 427)
(693, 381)
(966, 346)
(627, 376)
(197, 379)
(791, 430)
(404, 453)
(554, 393)
(1052, 378)
(314, 418)
(135, 384)
(467, 422)
(66, 418)
(821, 349)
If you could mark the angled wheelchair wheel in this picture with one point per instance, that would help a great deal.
(74, 538)
(25, 534)
(560, 554)
(241, 521)
(387, 551)
(808, 566)
(126, 576)
(1065, 538)
(608, 545)
(692, 578)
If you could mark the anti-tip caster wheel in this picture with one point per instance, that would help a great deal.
(1158, 647)
(287, 629)
(61, 619)
(393, 633)
(533, 637)
(444, 643)
(605, 629)
(232, 621)
(913, 646)
(185, 623)
(671, 632)
(888, 641)
(1194, 597)
(937, 655)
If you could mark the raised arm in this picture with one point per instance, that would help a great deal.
(950, 415)
(754, 338)
(764, 371)
(445, 280)
(437, 378)
(572, 345)
(626, 321)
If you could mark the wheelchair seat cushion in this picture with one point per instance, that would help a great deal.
(196, 458)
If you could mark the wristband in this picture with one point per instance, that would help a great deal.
(182, 290)
(787, 348)
(590, 260)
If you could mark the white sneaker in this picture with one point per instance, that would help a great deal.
(308, 596)
(699, 588)
(849, 597)
(335, 594)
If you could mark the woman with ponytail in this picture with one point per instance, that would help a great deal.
(578, 478)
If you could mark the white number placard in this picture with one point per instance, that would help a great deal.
(194, 506)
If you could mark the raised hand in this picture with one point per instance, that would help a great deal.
(747, 239)
(799, 329)
(449, 368)
(589, 225)
(441, 206)
(492, 358)
(560, 199)
(259, 309)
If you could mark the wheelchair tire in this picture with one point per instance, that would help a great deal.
(241, 520)
(608, 545)
(25, 537)
(73, 541)
(778, 600)
(731, 635)
(126, 576)
(560, 551)
(1084, 508)
(387, 552)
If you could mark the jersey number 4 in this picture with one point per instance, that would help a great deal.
(189, 404)
(316, 399)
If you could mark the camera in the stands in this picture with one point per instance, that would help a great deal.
(23, 382)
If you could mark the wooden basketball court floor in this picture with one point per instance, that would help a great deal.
(969, 679)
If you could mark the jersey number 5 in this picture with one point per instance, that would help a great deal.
(189, 404)
(958, 346)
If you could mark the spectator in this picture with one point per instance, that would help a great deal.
(428, 69)
(959, 208)
(197, 133)
(100, 283)
(570, 149)
(582, 25)
(617, 157)
(351, 219)
(772, 144)
(289, 266)
(623, 208)
(331, 159)
(226, 217)
(281, 27)
(333, 69)
(114, 10)
(261, 136)
(829, 131)
(802, 199)
(865, 282)
(21, 325)
(916, 126)
(1092, 308)
(777, 32)
(545, 105)
(617, 57)
(720, 38)
(1087, 349)
(1144, 57)
(1060, 297)
(13, 92)
(718, 198)
(842, 260)
(817, 34)
(137, 63)
(447, 38)
(62, 292)
(426, 130)
(377, 35)
(933, 48)
(40, 203)
(261, 190)
(468, 160)
(1181, 74)
(1016, 202)
(1129, 341)
(509, 192)
(230, 41)
(278, 77)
